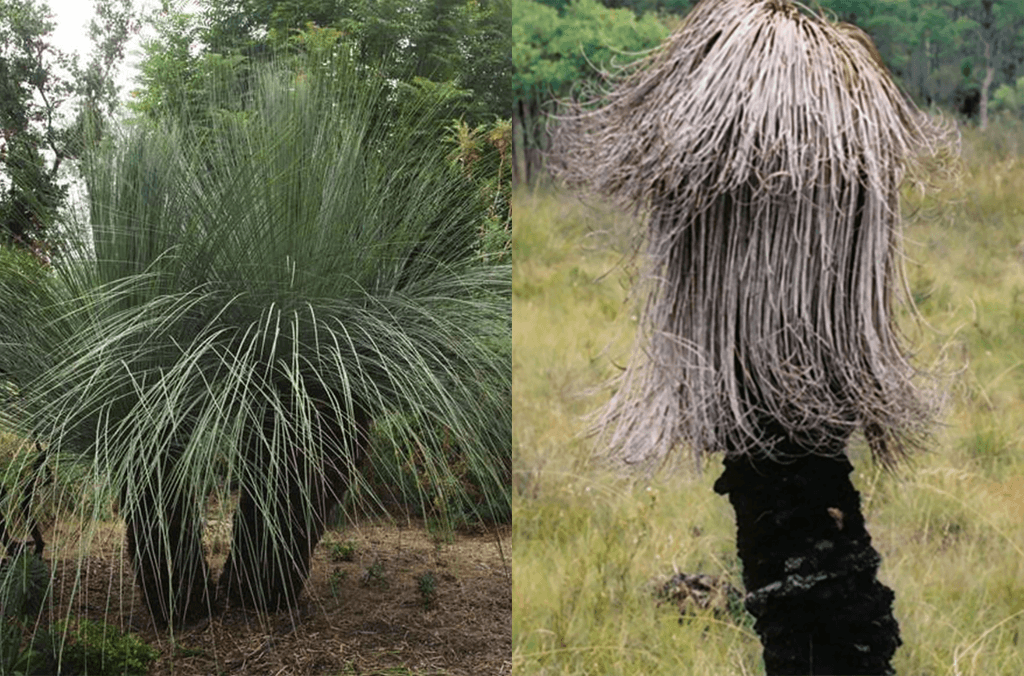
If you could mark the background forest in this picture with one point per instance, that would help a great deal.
(452, 51)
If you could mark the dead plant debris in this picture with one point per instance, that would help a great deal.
(341, 625)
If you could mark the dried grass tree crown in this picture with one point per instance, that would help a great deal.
(767, 147)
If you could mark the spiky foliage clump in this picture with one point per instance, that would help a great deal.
(246, 297)
(767, 147)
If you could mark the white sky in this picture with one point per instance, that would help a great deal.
(72, 17)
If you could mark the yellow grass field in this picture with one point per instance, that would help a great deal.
(590, 548)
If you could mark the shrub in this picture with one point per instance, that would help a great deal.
(468, 492)
(69, 647)
(1010, 98)
(427, 586)
(337, 551)
(101, 649)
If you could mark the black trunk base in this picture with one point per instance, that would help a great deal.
(279, 522)
(270, 557)
(169, 561)
(809, 567)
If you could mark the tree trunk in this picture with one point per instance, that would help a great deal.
(275, 531)
(519, 167)
(988, 36)
(529, 140)
(986, 84)
(165, 545)
(272, 541)
(809, 567)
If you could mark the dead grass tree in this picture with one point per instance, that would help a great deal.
(767, 147)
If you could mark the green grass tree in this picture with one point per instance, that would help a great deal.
(244, 299)
(767, 147)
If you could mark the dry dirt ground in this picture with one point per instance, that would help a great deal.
(367, 615)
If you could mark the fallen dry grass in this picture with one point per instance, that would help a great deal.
(366, 615)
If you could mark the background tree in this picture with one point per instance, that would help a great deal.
(768, 147)
(999, 31)
(557, 51)
(462, 45)
(47, 99)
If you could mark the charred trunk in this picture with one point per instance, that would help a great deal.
(165, 545)
(809, 567)
(277, 525)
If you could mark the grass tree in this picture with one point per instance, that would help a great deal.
(243, 300)
(767, 147)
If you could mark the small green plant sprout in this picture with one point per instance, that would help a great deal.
(337, 578)
(375, 575)
(427, 586)
(338, 551)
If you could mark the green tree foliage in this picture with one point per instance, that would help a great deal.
(1011, 99)
(997, 29)
(555, 51)
(29, 99)
(950, 52)
(49, 103)
(455, 46)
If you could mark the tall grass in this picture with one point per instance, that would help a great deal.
(590, 547)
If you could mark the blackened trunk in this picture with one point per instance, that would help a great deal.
(273, 539)
(165, 545)
(809, 567)
(276, 528)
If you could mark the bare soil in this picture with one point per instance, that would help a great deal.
(370, 615)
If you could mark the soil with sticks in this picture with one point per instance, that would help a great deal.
(381, 599)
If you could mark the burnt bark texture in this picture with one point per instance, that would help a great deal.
(28, 489)
(809, 567)
(165, 546)
(274, 533)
